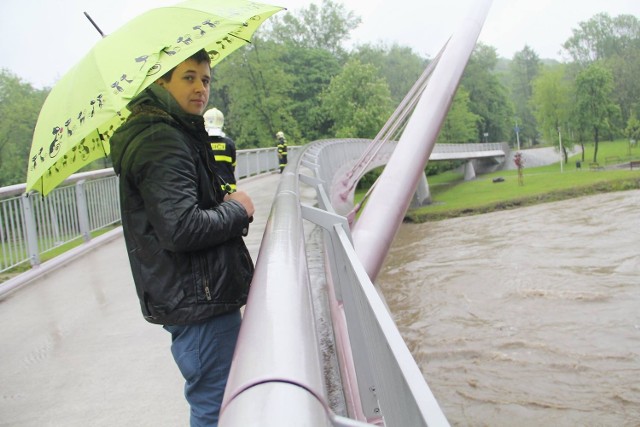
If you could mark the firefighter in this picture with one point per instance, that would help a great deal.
(282, 150)
(224, 149)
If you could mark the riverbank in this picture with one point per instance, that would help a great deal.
(544, 180)
(425, 214)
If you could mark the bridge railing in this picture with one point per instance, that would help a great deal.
(467, 148)
(279, 375)
(32, 225)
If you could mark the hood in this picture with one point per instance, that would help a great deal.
(152, 106)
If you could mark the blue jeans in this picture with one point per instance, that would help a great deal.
(203, 353)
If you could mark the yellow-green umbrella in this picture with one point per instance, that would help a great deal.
(88, 103)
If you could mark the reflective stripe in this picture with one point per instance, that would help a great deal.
(229, 188)
(220, 146)
(221, 158)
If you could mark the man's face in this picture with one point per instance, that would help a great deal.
(189, 85)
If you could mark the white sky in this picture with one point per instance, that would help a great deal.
(42, 39)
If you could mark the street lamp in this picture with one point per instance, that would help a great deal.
(517, 129)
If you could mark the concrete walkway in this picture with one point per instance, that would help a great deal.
(76, 351)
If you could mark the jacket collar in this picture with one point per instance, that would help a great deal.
(157, 96)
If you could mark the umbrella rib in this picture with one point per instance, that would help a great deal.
(240, 38)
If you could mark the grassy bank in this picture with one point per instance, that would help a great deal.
(454, 197)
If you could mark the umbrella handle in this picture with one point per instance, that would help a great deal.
(94, 24)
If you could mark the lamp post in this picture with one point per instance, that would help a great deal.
(517, 129)
(560, 144)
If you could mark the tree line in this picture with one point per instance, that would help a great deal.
(298, 77)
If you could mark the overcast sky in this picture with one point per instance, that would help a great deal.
(42, 39)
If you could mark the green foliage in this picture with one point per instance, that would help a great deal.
(316, 27)
(442, 166)
(257, 88)
(369, 178)
(594, 108)
(632, 130)
(524, 68)
(603, 37)
(20, 105)
(460, 124)
(626, 91)
(399, 66)
(552, 100)
(488, 97)
(358, 101)
(319, 66)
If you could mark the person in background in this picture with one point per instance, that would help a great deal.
(223, 147)
(282, 150)
(184, 236)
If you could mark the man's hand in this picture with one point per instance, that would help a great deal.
(244, 200)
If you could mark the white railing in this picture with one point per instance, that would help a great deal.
(32, 225)
(280, 374)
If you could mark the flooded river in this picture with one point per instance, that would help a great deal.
(526, 317)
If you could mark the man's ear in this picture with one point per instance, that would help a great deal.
(160, 82)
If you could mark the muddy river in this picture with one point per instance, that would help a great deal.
(526, 317)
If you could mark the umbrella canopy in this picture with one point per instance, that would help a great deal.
(88, 103)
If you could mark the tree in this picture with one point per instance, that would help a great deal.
(594, 108)
(488, 97)
(460, 124)
(253, 88)
(357, 101)
(603, 37)
(326, 27)
(524, 68)
(398, 65)
(632, 130)
(626, 91)
(615, 44)
(551, 103)
(20, 106)
(312, 71)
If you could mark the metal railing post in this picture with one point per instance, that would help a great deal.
(31, 230)
(83, 211)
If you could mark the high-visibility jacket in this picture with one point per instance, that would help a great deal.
(224, 154)
(282, 151)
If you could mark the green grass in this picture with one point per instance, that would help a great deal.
(454, 197)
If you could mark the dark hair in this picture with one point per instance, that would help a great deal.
(200, 57)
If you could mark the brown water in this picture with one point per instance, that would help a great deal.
(526, 317)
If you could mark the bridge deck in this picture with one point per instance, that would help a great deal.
(76, 350)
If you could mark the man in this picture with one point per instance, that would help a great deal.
(223, 147)
(189, 262)
(282, 150)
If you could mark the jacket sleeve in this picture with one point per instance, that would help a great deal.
(167, 178)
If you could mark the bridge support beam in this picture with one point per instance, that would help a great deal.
(382, 216)
(469, 171)
(422, 196)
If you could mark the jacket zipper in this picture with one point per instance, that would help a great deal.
(207, 292)
(205, 278)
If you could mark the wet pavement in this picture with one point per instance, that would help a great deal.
(76, 351)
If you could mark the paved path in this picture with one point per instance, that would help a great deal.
(75, 350)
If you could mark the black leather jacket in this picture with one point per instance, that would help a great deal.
(188, 259)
